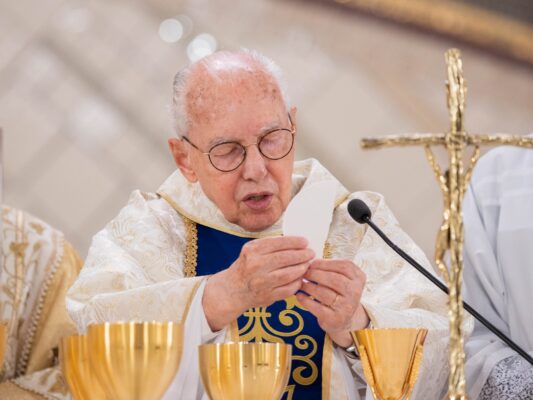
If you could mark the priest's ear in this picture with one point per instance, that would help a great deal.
(182, 158)
(292, 114)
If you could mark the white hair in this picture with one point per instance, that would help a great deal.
(211, 64)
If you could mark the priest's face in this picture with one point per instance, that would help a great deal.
(254, 194)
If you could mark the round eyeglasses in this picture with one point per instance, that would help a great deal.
(228, 156)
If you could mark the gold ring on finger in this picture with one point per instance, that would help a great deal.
(334, 301)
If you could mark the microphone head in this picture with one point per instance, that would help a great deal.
(359, 211)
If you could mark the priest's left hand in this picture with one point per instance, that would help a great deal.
(333, 296)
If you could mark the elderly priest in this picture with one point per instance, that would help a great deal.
(207, 248)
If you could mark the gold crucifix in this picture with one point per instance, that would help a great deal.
(453, 182)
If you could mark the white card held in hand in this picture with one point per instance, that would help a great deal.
(309, 214)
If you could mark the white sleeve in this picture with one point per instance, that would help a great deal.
(134, 270)
(187, 384)
(352, 373)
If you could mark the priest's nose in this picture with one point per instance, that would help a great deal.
(254, 165)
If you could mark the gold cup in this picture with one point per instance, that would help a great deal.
(391, 360)
(245, 371)
(3, 343)
(135, 360)
(74, 360)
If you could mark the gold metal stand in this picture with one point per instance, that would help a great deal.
(3, 344)
(453, 182)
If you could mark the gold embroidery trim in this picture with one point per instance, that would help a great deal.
(327, 253)
(191, 249)
(220, 228)
(58, 246)
(290, 391)
(18, 248)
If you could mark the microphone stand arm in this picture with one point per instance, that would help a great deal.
(443, 287)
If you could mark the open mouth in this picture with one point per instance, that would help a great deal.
(256, 197)
(258, 201)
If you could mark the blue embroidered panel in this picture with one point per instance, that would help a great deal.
(283, 321)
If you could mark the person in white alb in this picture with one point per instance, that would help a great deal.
(498, 272)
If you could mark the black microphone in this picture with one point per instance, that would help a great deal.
(360, 212)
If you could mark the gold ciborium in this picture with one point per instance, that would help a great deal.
(74, 360)
(245, 371)
(391, 360)
(135, 360)
(3, 343)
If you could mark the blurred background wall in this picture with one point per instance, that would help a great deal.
(85, 89)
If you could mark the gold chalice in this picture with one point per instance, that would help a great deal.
(3, 343)
(391, 360)
(135, 360)
(74, 360)
(245, 371)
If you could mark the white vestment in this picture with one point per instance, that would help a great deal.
(38, 267)
(498, 258)
(136, 265)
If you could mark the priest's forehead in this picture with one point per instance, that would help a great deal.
(227, 81)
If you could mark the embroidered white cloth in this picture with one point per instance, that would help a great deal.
(38, 267)
(135, 270)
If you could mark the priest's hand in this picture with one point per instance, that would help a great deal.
(333, 295)
(267, 270)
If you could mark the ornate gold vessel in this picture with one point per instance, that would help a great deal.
(391, 360)
(135, 360)
(74, 361)
(245, 371)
